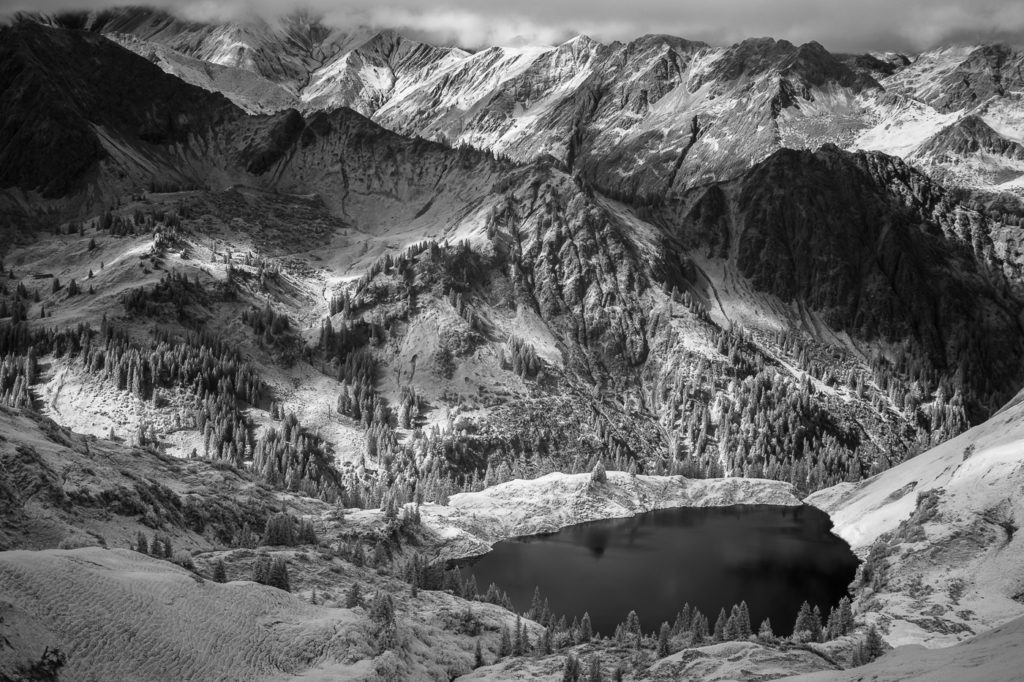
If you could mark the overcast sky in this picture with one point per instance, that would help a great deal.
(840, 25)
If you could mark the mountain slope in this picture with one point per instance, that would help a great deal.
(672, 112)
(284, 50)
(247, 90)
(939, 534)
(874, 249)
(993, 656)
(63, 123)
(855, 292)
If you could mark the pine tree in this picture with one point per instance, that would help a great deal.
(478, 655)
(586, 629)
(732, 624)
(699, 626)
(595, 669)
(261, 569)
(166, 548)
(873, 644)
(141, 544)
(536, 605)
(720, 624)
(803, 628)
(353, 596)
(280, 530)
(219, 573)
(278, 576)
(517, 639)
(743, 625)
(571, 672)
(765, 633)
(387, 637)
(663, 636)
(816, 624)
(632, 623)
(505, 646)
(846, 622)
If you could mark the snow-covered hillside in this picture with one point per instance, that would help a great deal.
(940, 535)
(676, 111)
(994, 656)
(473, 521)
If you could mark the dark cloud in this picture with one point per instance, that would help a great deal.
(841, 25)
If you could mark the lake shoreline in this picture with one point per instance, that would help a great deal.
(471, 523)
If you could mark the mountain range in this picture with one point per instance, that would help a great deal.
(355, 268)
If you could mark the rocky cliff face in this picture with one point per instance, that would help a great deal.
(671, 112)
(858, 255)
(74, 128)
(875, 248)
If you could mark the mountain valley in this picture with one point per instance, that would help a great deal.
(416, 300)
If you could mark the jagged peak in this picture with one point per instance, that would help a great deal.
(676, 43)
(582, 40)
(970, 135)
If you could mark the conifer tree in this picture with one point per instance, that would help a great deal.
(280, 530)
(261, 569)
(571, 671)
(699, 626)
(873, 644)
(765, 633)
(720, 624)
(517, 639)
(219, 572)
(816, 624)
(536, 605)
(663, 636)
(803, 628)
(732, 624)
(278, 576)
(353, 596)
(586, 629)
(846, 622)
(505, 646)
(743, 625)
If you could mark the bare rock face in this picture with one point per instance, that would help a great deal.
(872, 245)
(72, 99)
(671, 112)
(862, 241)
(989, 71)
(971, 135)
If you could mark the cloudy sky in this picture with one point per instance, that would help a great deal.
(840, 25)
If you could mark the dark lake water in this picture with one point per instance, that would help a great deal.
(773, 557)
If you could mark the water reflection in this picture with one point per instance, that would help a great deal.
(772, 557)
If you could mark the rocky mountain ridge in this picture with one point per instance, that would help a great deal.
(670, 113)
(305, 310)
(811, 274)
